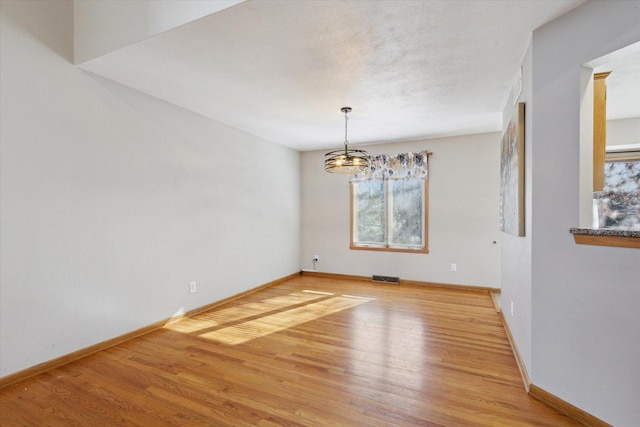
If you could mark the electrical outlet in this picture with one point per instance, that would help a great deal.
(192, 287)
(454, 267)
(316, 258)
(511, 308)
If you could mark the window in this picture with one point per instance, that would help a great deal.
(618, 204)
(391, 213)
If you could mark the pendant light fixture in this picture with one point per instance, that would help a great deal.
(346, 161)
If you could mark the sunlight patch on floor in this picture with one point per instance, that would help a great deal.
(269, 324)
(242, 323)
(317, 292)
(233, 314)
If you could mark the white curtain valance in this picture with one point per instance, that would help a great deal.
(401, 166)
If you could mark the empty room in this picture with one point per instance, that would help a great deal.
(319, 213)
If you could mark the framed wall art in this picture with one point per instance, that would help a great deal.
(512, 175)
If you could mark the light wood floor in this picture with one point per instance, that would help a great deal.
(307, 352)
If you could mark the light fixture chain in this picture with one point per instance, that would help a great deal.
(346, 118)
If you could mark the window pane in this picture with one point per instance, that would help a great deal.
(407, 212)
(369, 213)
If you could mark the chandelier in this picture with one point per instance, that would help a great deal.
(346, 161)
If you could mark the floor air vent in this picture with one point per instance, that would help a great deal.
(385, 279)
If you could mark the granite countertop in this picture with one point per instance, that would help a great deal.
(606, 232)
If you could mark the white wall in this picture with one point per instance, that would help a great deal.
(112, 201)
(585, 162)
(463, 215)
(623, 131)
(585, 299)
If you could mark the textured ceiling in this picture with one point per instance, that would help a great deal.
(282, 69)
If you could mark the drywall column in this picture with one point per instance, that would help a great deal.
(585, 299)
(516, 250)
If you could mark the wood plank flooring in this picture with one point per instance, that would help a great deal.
(307, 352)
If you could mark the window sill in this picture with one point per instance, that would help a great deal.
(387, 249)
(606, 237)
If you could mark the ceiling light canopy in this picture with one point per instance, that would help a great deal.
(346, 161)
